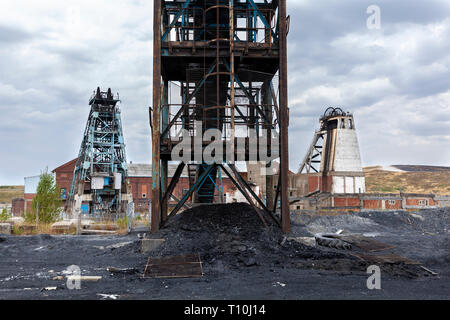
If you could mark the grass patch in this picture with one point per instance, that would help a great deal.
(409, 182)
(7, 193)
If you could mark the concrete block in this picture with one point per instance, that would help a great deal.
(309, 241)
(417, 216)
(27, 229)
(5, 228)
(149, 245)
(16, 221)
(66, 226)
(108, 227)
(85, 223)
(97, 232)
(63, 224)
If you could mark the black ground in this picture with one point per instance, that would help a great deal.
(241, 259)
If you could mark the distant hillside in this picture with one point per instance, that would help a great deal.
(411, 179)
(422, 168)
(7, 193)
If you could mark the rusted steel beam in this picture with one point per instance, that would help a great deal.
(164, 163)
(244, 150)
(174, 181)
(245, 194)
(197, 184)
(188, 99)
(277, 193)
(174, 197)
(249, 96)
(156, 170)
(284, 119)
(267, 102)
(232, 80)
(254, 195)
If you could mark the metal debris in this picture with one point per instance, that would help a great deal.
(123, 270)
(108, 296)
(331, 240)
(49, 289)
(185, 266)
(364, 243)
(428, 270)
(83, 278)
(385, 258)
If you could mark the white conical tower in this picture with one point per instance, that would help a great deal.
(335, 146)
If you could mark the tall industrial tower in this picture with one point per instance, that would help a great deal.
(99, 178)
(333, 160)
(219, 64)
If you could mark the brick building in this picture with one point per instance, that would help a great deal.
(331, 176)
(140, 182)
(17, 207)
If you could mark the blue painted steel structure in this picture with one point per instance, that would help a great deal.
(101, 168)
(224, 56)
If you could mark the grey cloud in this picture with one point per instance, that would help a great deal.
(334, 59)
(11, 35)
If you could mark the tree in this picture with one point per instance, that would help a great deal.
(4, 215)
(47, 198)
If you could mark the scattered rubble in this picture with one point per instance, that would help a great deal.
(149, 245)
(5, 228)
(83, 278)
(122, 270)
(16, 221)
(239, 258)
(108, 296)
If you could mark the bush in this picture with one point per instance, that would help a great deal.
(4, 215)
(47, 198)
(29, 216)
(122, 223)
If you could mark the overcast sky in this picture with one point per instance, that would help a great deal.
(396, 79)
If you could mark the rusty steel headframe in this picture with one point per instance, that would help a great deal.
(226, 59)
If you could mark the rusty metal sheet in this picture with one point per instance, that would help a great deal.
(385, 258)
(365, 243)
(185, 266)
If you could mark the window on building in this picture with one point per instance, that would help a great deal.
(423, 202)
(144, 195)
(64, 194)
(391, 202)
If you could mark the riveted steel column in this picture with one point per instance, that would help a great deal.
(284, 119)
(268, 110)
(232, 83)
(156, 136)
(164, 162)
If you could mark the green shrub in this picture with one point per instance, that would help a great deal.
(4, 215)
(122, 223)
(47, 198)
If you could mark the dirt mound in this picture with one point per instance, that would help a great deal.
(233, 237)
(235, 218)
(430, 220)
(349, 223)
